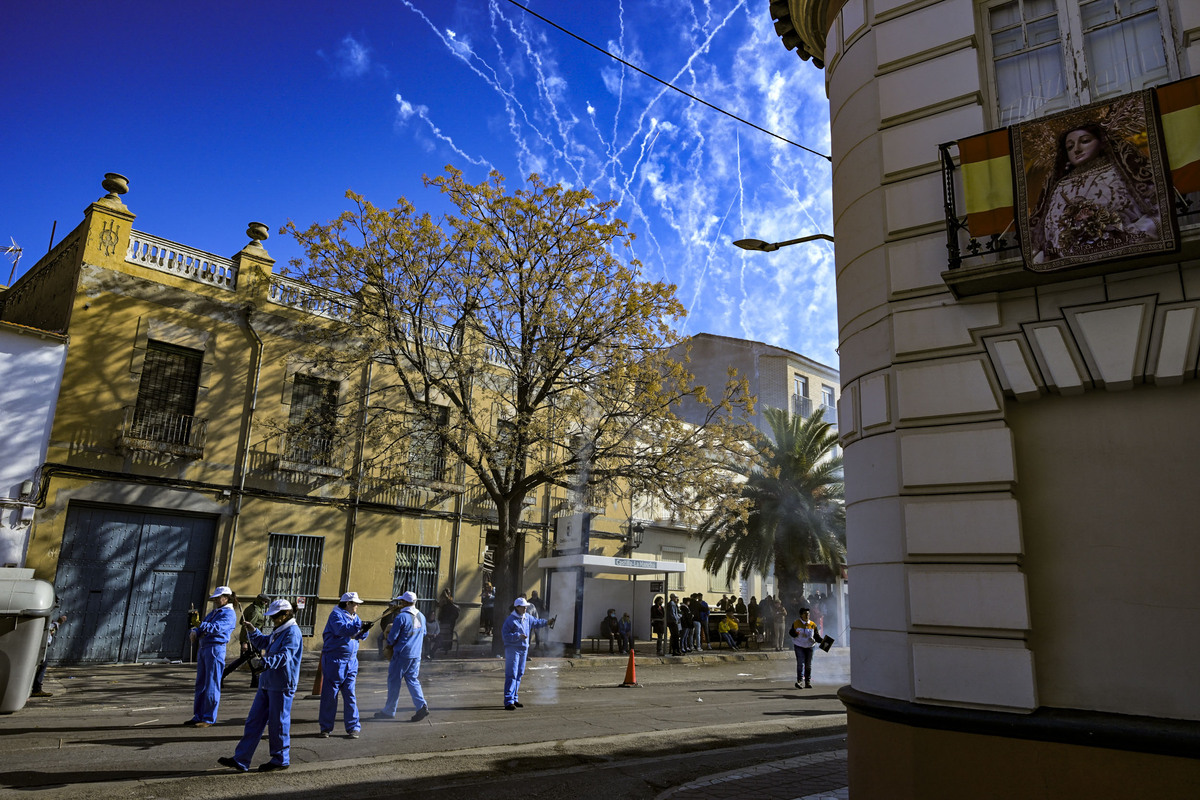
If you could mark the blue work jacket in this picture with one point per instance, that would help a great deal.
(217, 627)
(518, 625)
(282, 660)
(342, 634)
(407, 633)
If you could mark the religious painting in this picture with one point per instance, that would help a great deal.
(1092, 185)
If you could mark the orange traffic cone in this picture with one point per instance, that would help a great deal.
(630, 672)
(316, 692)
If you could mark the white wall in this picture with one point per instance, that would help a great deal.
(31, 367)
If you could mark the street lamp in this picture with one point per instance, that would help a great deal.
(771, 247)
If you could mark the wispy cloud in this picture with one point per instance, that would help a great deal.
(687, 179)
(353, 58)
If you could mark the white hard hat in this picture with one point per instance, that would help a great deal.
(351, 597)
(277, 606)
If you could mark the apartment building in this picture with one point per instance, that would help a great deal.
(1015, 204)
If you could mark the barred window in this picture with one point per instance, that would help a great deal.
(294, 574)
(312, 419)
(417, 571)
(427, 445)
(166, 399)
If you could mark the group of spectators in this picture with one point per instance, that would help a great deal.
(680, 627)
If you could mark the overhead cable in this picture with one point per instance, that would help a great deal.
(636, 68)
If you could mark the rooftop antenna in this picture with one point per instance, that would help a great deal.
(14, 252)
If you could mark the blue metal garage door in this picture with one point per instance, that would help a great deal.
(126, 578)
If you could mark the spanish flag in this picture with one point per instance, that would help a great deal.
(1179, 108)
(986, 162)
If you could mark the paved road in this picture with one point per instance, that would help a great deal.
(115, 732)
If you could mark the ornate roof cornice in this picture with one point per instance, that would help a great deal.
(802, 26)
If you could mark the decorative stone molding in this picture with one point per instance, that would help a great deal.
(1113, 346)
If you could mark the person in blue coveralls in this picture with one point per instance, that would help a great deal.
(212, 634)
(339, 665)
(405, 637)
(515, 633)
(272, 706)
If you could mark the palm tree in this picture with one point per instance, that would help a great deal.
(788, 511)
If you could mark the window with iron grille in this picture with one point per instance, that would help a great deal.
(417, 571)
(294, 574)
(166, 399)
(427, 445)
(311, 420)
(506, 435)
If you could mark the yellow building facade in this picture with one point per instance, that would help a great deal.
(192, 447)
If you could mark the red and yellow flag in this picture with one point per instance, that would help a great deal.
(986, 162)
(1179, 108)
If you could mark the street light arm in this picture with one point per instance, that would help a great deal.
(771, 247)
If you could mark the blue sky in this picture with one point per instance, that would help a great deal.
(221, 113)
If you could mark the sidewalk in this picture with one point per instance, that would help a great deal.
(115, 728)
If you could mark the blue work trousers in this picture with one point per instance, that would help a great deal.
(514, 670)
(403, 671)
(210, 665)
(803, 663)
(338, 677)
(271, 709)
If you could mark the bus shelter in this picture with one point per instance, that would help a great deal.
(582, 587)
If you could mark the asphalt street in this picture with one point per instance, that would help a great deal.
(116, 731)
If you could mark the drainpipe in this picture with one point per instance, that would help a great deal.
(244, 456)
(356, 486)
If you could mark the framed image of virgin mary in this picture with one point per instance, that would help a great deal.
(1092, 185)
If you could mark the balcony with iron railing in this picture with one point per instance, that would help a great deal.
(995, 263)
(802, 406)
(830, 415)
(154, 431)
(435, 472)
(311, 454)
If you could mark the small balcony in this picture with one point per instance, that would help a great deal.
(153, 431)
(312, 454)
(994, 263)
(802, 406)
(434, 472)
(830, 414)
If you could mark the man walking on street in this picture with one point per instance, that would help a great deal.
(804, 636)
(515, 633)
(406, 636)
(272, 705)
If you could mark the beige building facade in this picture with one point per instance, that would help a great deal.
(1018, 445)
(777, 378)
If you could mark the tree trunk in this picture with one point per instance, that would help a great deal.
(508, 566)
(791, 585)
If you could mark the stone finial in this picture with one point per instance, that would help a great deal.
(258, 233)
(115, 184)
